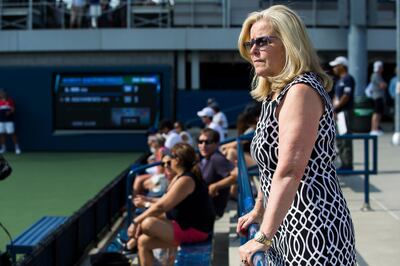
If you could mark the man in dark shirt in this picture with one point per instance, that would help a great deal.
(343, 107)
(218, 172)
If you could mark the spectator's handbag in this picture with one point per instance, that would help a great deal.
(5, 168)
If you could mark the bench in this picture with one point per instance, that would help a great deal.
(26, 242)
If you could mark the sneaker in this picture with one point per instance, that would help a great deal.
(17, 151)
(376, 133)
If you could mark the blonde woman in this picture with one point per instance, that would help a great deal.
(305, 219)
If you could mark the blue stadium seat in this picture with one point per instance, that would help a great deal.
(195, 254)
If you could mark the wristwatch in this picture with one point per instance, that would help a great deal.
(263, 239)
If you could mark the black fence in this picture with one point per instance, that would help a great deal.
(69, 243)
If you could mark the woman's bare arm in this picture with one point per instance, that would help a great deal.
(298, 116)
(177, 193)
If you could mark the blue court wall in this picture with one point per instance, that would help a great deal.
(231, 102)
(31, 89)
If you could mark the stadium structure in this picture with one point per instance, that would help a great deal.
(195, 40)
(185, 51)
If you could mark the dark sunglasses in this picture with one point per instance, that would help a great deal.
(260, 42)
(207, 142)
(166, 164)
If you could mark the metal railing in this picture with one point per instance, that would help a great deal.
(367, 171)
(246, 199)
(67, 244)
(188, 13)
(135, 169)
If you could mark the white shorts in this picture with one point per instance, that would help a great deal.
(7, 127)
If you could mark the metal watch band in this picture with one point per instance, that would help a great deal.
(261, 238)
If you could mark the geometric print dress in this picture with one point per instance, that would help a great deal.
(317, 229)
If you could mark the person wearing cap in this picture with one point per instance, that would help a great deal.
(343, 102)
(185, 135)
(378, 96)
(219, 117)
(206, 115)
(210, 101)
(166, 128)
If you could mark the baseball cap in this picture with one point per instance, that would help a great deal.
(214, 105)
(206, 111)
(377, 65)
(210, 101)
(340, 60)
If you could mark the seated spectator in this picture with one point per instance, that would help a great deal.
(246, 123)
(218, 172)
(185, 136)
(171, 220)
(219, 117)
(206, 115)
(7, 126)
(157, 184)
(156, 144)
(166, 128)
(142, 201)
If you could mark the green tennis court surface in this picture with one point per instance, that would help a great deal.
(53, 184)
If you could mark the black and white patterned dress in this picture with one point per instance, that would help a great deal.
(317, 229)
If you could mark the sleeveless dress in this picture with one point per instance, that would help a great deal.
(317, 230)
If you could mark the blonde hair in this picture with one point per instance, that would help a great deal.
(300, 56)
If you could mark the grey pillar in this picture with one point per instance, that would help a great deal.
(181, 69)
(396, 135)
(128, 13)
(357, 45)
(195, 70)
(1, 15)
(30, 15)
(342, 13)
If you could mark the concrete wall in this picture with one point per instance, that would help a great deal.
(169, 39)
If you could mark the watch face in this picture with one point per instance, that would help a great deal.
(259, 237)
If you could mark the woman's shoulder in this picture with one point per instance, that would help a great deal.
(187, 175)
(310, 79)
(186, 178)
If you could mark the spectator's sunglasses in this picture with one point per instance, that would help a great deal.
(207, 142)
(260, 42)
(166, 163)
